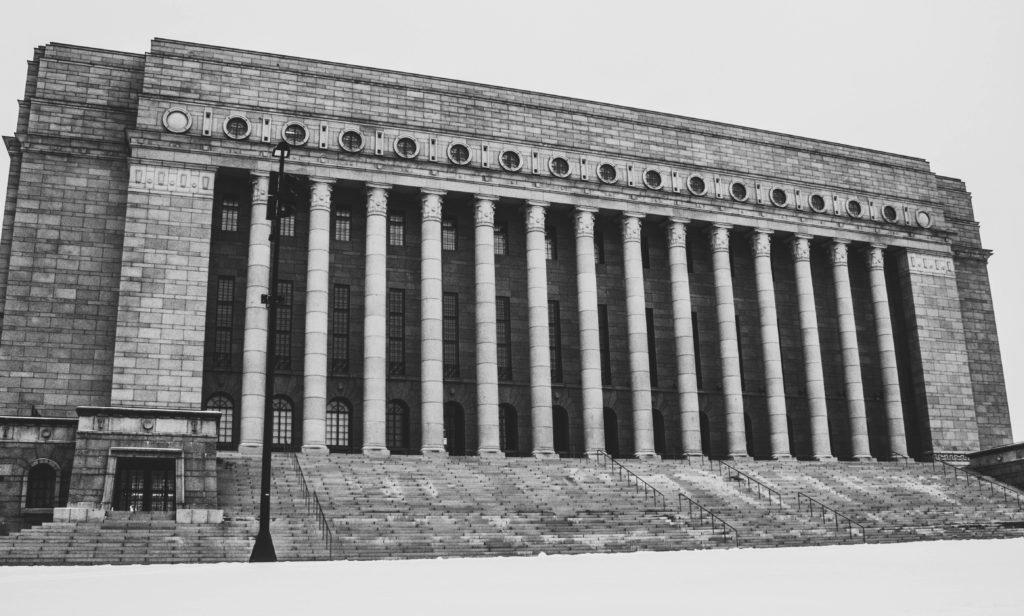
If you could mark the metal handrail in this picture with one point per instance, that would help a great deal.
(649, 490)
(313, 506)
(736, 474)
(979, 479)
(715, 519)
(811, 502)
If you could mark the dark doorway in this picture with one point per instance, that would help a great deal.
(705, 434)
(508, 430)
(454, 429)
(560, 425)
(659, 432)
(144, 484)
(748, 433)
(611, 433)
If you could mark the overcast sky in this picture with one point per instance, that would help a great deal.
(934, 79)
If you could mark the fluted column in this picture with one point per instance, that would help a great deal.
(775, 389)
(375, 323)
(814, 377)
(851, 352)
(686, 360)
(254, 342)
(314, 372)
(636, 327)
(887, 353)
(486, 332)
(590, 338)
(540, 344)
(729, 351)
(431, 346)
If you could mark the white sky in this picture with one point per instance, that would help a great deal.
(941, 80)
(924, 578)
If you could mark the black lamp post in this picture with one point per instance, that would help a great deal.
(263, 550)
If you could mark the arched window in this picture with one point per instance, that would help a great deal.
(659, 432)
(454, 429)
(611, 433)
(339, 422)
(222, 403)
(560, 429)
(508, 429)
(282, 421)
(41, 491)
(397, 426)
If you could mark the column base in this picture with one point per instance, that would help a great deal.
(785, 457)
(739, 456)
(316, 450)
(491, 453)
(864, 459)
(823, 458)
(647, 455)
(433, 452)
(545, 455)
(692, 456)
(376, 452)
(900, 457)
(250, 449)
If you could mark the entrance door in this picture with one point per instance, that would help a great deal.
(454, 429)
(560, 428)
(144, 484)
(611, 433)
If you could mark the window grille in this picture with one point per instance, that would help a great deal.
(229, 214)
(555, 341)
(503, 321)
(396, 332)
(396, 430)
(224, 318)
(282, 421)
(339, 422)
(283, 326)
(287, 226)
(550, 244)
(396, 229)
(340, 330)
(226, 427)
(343, 224)
(450, 335)
(606, 357)
(449, 235)
(501, 238)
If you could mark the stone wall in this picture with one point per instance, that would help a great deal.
(25, 441)
(1004, 463)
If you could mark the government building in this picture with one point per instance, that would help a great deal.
(460, 270)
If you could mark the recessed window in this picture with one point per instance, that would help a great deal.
(550, 244)
(283, 326)
(396, 433)
(450, 334)
(396, 229)
(449, 235)
(406, 147)
(340, 313)
(222, 404)
(458, 153)
(295, 133)
(236, 127)
(503, 328)
(501, 238)
(696, 185)
(889, 213)
(339, 421)
(854, 209)
(343, 224)
(779, 196)
(177, 120)
(559, 167)
(396, 332)
(224, 322)
(738, 191)
(607, 173)
(229, 213)
(351, 141)
(287, 226)
(817, 202)
(510, 160)
(653, 180)
(282, 421)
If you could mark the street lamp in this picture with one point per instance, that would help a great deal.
(263, 550)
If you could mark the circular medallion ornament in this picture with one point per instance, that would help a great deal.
(817, 202)
(407, 147)
(148, 424)
(351, 141)
(607, 173)
(510, 160)
(738, 191)
(295, 133)
(236, 127)
(177, 120)
(45, 433)
(458, 153)
(779, 197)
(559, 167)
(924, 219)
(889, 214)
(696, 185)
(854, 209)
(653, 180)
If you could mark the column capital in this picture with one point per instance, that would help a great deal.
(260, 186)
(677, 231)
(535, 215)
(839, 250)
(431, 202)
(875, 254)
(483, 197)
(321, 195)
(585, 222)
(801, 247)
(632, 222)
(484, 212)
(719, 233)
(377, 199)
(259, 173)
(761, 242)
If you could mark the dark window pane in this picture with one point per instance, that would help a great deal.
(606, 357)
(396, 332)
(449, 236)
(450, 326)
(504, 335)
(338, 353)
(343, 225)
(555, 341)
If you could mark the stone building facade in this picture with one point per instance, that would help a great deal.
(468, 270)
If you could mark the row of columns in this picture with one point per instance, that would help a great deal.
(432, 376)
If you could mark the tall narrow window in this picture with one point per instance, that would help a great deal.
(396, 332)
(450, 334)
(288, 226)
(339, 423)
(283, 326)
(225, 428)
(606, 355)
(396, 229)
(652, 353)
(500, 238)
(229, 213)
(449, 235)
(555, 341)
(223, 322)
(739, 355)
(339, 330)
(645, 251)
(598, 245)
(396, 427)
(504, 330)
(343, 224)
(282, 421)
(696, 351)
(550, 244)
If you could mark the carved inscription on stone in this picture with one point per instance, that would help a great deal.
(936, 265)
(174, 181)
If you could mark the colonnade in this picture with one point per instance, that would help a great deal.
(432, 373)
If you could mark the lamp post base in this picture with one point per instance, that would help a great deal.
(263, 550)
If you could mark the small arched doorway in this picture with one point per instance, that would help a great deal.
(396, 427)
(41, 485)
(339, 425)
(454, 429)
(508, 430)
(658, 421)
(560, 429)
(705, 434)
(611, 433)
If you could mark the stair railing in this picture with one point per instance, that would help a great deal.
(1007, 491)
(752, 484)
(836, 515)
(313, 506)
(638, 481)
(716, 521)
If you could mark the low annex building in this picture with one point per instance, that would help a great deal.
(468, 270)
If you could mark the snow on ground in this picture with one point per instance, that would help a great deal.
(934, 578)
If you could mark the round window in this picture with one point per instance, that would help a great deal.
(295, 133)
(652, 179)
(510, 160)
(236, 127)
(458, 153)
(889, 213)
(406, 147)
(738, 190)
(854, 209)
(817, 202)
(607, 173)
(696, 185)
(924, 219)
(351, 141)
(559, 167)
(177, 120)
(779, 196)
